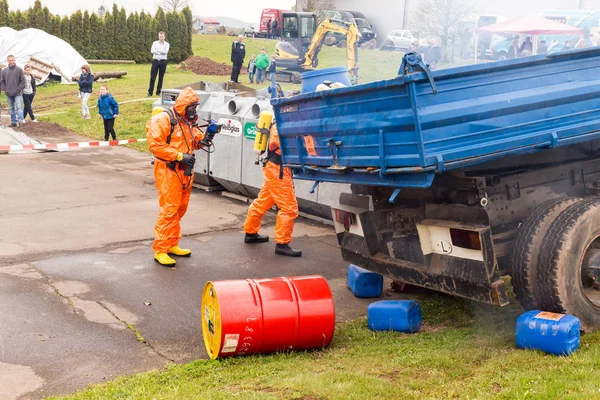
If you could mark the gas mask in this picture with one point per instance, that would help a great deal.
(191, 112)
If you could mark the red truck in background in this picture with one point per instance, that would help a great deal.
(268, 14)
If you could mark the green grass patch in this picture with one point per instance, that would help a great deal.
(465, 350)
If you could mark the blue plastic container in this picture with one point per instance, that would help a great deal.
(395, 315)
(312, 79)
(364, 283)
(552, 333)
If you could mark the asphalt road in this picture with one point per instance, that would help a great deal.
(78, 284)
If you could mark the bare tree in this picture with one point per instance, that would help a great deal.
(173, 5)
(443, 19)
(313, 5)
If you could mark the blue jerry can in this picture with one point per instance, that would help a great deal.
(552, 333)
(364, 283)
(395, 315)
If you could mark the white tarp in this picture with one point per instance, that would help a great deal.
(36, 43)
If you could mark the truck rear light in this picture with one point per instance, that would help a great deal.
(465, 239)
(345, 218)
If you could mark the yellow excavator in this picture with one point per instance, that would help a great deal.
(301, 41)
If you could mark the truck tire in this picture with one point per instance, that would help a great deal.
(564, 272)
(527, 244)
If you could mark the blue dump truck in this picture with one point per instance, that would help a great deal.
(463, 176)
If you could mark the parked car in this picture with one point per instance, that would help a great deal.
(364, 27)
(398, 40)
(250, 31)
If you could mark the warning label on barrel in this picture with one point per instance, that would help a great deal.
(231, 343)
(550, 316)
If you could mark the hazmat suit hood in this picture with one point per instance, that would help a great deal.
(186, 97)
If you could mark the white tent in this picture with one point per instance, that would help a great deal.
(36, 43)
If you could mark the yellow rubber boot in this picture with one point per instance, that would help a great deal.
(164, 259)
(178, 251)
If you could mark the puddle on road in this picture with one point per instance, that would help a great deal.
(21, 271)
(17, 380)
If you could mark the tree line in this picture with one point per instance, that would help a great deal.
(112, 35)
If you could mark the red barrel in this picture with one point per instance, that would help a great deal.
(267, 315)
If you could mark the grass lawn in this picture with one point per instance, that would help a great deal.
(465, 350)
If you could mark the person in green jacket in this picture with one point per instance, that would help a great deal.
(261, 64)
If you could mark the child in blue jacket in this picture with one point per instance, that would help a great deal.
(108, 108)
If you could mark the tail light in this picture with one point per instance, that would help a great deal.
(345, 218)
(465, 239)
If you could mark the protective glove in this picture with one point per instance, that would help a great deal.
(212, 128)
(188, 159)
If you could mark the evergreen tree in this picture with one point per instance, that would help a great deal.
(35, 16)
(173, 37)
(55, 26)
(135, 42)
(87, 33)
(96, 36)
(77, 31)
(47, 19)
(147, 36)
(65, 29)
(3, 13)
(107, 43)
(122, 41)
(16, 20)
(189, 20)
(161, 22)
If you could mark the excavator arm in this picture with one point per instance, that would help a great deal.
(329, 25)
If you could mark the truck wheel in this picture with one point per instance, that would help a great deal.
(569, 265)
(527, 244)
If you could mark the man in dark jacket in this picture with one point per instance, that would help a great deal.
(433, 55)
(12, 81)
(238, 53)
(275, 28)
(268, 29)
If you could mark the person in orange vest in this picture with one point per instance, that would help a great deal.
(172, 138)
(277, 188)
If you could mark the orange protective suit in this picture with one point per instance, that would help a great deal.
(173, 187)
(274, 191)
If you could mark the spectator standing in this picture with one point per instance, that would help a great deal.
(261, 64)
(13, 83)
(513, 50)
(238, 53)
(251, 68)
(433, 55)
(86, 81)
(273, 69)
(542, 48)
(268, 29)
(275, 28)
(159, 50)
(108, 108)
(29, 93)
(526, 46)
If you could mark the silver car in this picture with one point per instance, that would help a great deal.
(399, 39)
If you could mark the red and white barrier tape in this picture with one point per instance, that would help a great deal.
(68, 146)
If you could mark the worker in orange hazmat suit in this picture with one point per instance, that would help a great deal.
(172, 138)
(277, 188)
